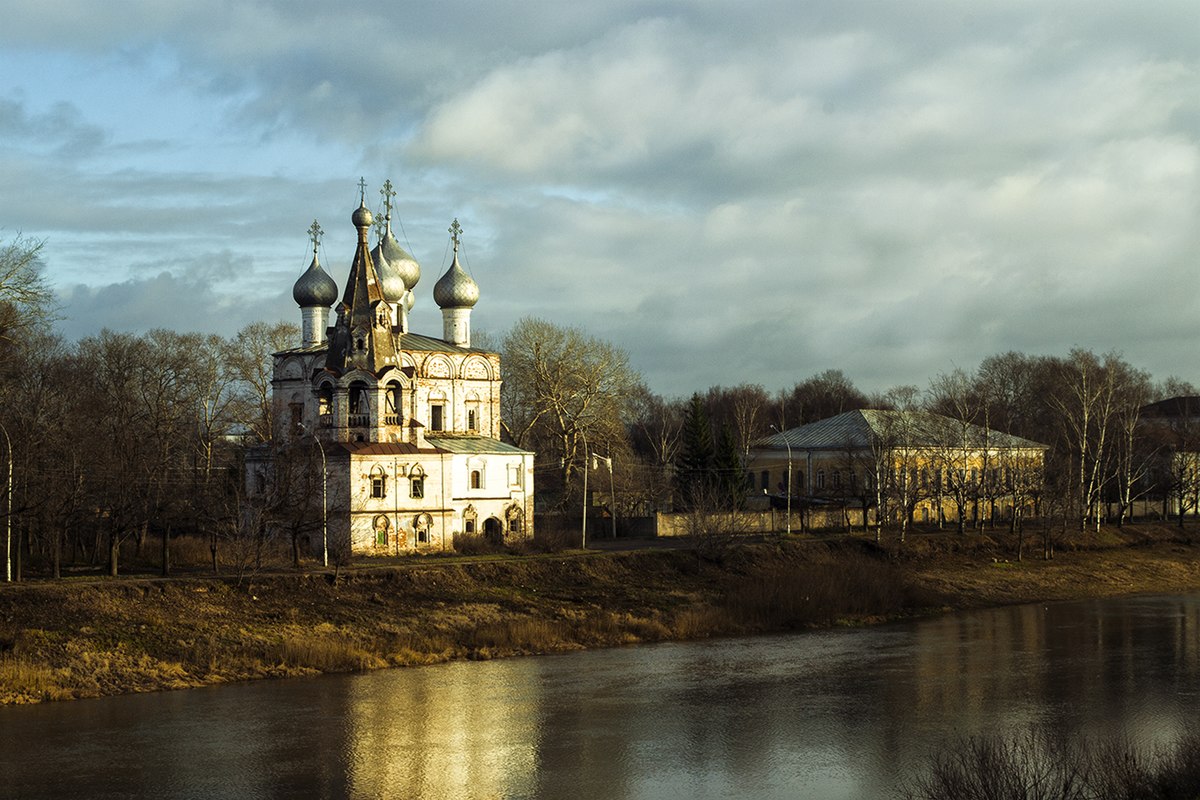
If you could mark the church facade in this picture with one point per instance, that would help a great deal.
(408, 425)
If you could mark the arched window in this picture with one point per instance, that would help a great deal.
(422, 523)
(766, 479)
(360, 415)
(325, 405)
(378, 482)
(515, 516)
(820, 479)
(392, 404)
(417, 482)
(472, 413)
(381, 526)
(476, 479)
(470, 518)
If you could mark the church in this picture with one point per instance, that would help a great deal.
(408, 425)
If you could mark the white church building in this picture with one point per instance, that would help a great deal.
(408, 425)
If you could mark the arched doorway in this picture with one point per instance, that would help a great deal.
(493, 531)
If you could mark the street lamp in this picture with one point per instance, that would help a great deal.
(8, 559)
(324, 496)
(612, 490)
(789, 478)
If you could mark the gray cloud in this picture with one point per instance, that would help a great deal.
(731, 193)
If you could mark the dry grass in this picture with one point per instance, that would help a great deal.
(67, 639)
(323, 653)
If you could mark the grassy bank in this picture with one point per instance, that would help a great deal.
(61, 640)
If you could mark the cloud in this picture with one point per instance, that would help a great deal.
(731, 193)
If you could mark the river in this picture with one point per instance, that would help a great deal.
(832, 714)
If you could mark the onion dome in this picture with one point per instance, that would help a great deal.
(315, 287)
(456, 289)
(405, 265)
(390, 281)
(362, 217)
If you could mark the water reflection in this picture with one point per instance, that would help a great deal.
(829, 715)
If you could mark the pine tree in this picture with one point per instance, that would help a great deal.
(730, 473)
(695, 464)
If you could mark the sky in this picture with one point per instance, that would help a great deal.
(732, 192)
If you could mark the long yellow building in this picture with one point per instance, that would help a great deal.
(911, 465)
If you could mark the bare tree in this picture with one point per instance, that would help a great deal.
(566, 393)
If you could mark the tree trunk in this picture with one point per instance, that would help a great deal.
(166, 551)
(114, 551)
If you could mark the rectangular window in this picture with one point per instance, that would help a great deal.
(470, 525)
(418, 487)
(472, 419)
(378, 486)
(437, 417)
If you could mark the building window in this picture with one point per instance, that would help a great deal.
(325, 405)
(820, 479)
(837, 479)
(766, 479)
(422, 524)
(472, 419)
(378, 482)
(469, 524)
(418, 486)
(437, 416)
(476, 479)
(381, 525)
(391, 404)
(297, 410)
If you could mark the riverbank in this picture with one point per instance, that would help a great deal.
(63, 640)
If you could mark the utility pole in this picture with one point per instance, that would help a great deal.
(789, 478)
(8, 559)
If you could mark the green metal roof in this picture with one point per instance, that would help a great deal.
(474, 445)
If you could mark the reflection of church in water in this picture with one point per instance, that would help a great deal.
(409, 424)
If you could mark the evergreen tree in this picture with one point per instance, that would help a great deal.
(730, 473)
(694, 467)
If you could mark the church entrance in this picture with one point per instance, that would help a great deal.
(493, 531)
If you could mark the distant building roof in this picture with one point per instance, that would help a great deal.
(1181, 407)
(858, 429)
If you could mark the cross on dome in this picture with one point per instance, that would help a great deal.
(388, 193)
(314, 234)
(455, 233)
(362, 191)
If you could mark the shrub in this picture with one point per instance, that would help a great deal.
(1037, 765)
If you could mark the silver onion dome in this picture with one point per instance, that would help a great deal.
(391, 283)
(456, 289)
(405, 265)
(315, 287)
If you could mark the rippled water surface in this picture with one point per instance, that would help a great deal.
(840, 714)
